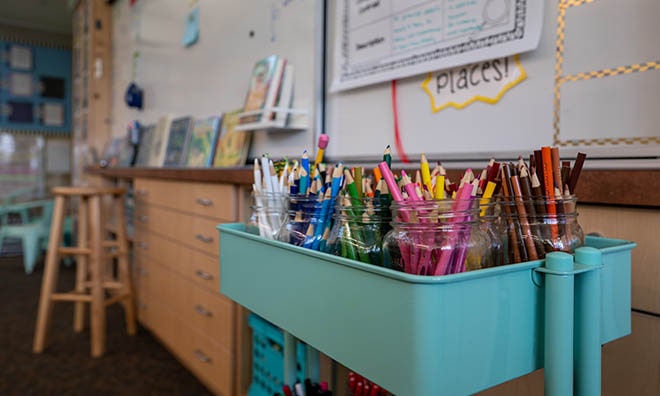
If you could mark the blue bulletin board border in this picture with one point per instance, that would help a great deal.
(44, 73)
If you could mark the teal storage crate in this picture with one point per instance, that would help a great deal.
(268, 358)
(414, 335)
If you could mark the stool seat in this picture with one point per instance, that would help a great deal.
(96, 254)
(88, 190)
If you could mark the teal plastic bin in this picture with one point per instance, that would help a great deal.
(414, 335)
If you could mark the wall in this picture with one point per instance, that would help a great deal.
(212, 76)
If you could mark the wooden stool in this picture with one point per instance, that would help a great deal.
(93, 276)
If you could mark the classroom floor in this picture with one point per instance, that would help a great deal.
(137, 365)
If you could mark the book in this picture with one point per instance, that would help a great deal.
(233, 146)
(177, 141)
(203, 140)
(264, 86)
(146, 140)
(157, 144)
(285, 96)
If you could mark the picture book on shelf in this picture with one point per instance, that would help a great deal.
(177, 141)
(285, 96)
(233, 146)
(264, 86)
(147, 133)
(157, 144)
(203, 140)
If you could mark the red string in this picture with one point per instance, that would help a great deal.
(397, 136)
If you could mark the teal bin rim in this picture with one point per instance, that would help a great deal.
(238, 229)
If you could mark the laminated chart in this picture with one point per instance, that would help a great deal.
(381, 40)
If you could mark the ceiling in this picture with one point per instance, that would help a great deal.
(45, 15)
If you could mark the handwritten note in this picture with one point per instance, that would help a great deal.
(381, 40)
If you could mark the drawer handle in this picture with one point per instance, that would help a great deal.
(203, 311)
(204, 238)
(204, 275)
(142, 192)
(143, 245)
(204, 201)
(143, 272)
(143, 218)
(202, 357)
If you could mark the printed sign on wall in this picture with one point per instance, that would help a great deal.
(485, 81)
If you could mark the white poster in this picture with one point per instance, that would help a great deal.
(382, 40)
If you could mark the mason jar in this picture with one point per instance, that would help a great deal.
(359, 225)
(304, 222)
(537, 226)
(436, 238)
(267, 212)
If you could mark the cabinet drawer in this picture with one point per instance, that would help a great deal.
(206, 199)
(160, 285)
(207, 360)
(210, 313)
(201, 268)
(159, 319)
(193, 231)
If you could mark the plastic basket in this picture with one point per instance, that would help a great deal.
(268, 358)
(415, 335)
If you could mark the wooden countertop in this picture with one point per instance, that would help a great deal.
(629, 187)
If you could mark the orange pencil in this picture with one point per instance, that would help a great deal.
(377, 175)
(548, 184)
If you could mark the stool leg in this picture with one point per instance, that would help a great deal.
(49, 279)
(98, 297)
(124, 270)
(81, 265)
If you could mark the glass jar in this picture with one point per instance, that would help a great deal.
(541, 225)
(267, 213)
(436, 238)
(359, 225)
(305, 220)
(490, 222)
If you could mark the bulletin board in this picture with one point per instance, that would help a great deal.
(35, 88)
(212, 75)
(592, 85)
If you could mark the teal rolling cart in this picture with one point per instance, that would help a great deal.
(446, 335)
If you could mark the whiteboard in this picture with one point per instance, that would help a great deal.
(212, 76)
(610, 115)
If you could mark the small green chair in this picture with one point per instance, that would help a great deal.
(33, 231)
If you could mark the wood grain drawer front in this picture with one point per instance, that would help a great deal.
(211, 314)
(193, 231)
(163, 286)
(206, 199)
(201, 268)
(204, 270)
(208, 361)
(640, 226)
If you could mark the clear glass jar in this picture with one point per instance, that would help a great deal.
(267, 214)
(305, 220)
(359, 225)
(436, 238)
(490, 222)
(541, 225)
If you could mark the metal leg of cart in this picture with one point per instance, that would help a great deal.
(572, 323)
(313, 369)
(587, 349)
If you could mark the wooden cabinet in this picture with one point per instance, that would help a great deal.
(631, 365)
(177, 275)
(91, 68)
